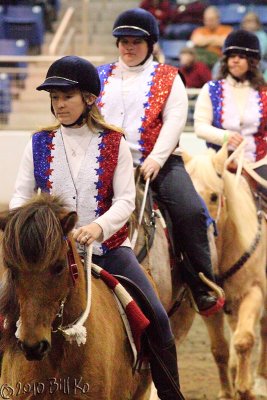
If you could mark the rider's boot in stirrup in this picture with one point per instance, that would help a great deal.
(164, 370)
(207, 297)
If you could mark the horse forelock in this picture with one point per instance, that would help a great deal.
(33, 236)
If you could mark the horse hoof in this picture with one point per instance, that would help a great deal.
(247, 395)
(224, 395)
(260, 387)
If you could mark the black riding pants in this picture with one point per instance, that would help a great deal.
(175, 190)
(122, 261)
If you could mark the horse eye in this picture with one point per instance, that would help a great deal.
(58, 268)
(213, 197)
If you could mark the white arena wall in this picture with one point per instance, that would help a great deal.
(12, 145)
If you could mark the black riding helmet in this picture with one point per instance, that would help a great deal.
(72, 72)
(242, 42)
(136, 22)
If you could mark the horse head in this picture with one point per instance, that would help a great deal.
(37, 278)
(206, 171)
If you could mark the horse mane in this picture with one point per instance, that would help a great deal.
(201, 169)
(240, 202)
(33, 233)
(33, 238)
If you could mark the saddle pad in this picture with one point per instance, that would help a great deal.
(135, 322)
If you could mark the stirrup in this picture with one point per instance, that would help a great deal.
(219, 294)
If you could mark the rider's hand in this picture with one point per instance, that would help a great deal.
(87, 234)
(234, 140)
(150, 168)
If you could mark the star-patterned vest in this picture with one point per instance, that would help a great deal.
(226, 116)
(142, 116)
(93, 183)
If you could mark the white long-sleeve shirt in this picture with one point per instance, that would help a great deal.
(240, 112)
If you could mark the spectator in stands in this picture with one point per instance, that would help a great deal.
(196, 73)
(208, 39)
(251, 23)
(161, 9)
(188, 12)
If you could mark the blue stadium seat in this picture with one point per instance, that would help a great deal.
(24, 22)
(56, 4)
(171, 49)
(9, 47)
(261, 11)
(232, 14)
(2, 32)
(5, 97)
(181, 31)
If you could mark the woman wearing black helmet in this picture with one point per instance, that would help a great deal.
(88, 163)
(234, 107)
(148, 100)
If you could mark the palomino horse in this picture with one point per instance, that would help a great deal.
(241, 270)
(41, 292)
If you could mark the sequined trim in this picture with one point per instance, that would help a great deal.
(159, 86)
(104, 71)
(261, 135)
(216, 96)
(42, 144)
(107, 161)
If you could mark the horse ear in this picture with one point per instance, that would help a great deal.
(219, 159)
(68, 222)
(186, 157)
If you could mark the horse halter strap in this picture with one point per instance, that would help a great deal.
(72, 263)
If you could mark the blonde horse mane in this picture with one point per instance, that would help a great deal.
(241, 208)
(209, 174)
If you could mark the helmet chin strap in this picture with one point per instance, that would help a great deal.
(81, 118)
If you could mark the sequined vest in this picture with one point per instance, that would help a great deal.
(141, 117)
(225, 116)
(91, 194)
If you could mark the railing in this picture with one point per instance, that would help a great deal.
(59, 35)
(21, 106)
(24, 108)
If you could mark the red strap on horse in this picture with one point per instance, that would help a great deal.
(72, 263)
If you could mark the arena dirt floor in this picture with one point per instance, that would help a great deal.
(198, 372)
